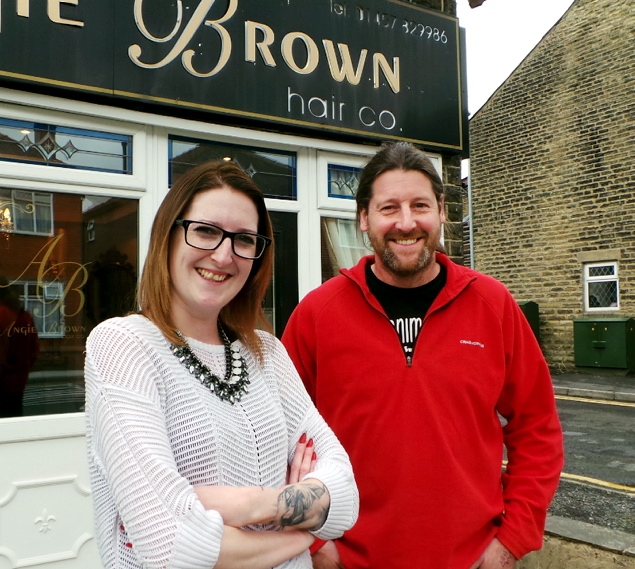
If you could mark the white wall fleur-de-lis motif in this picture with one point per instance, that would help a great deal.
(45, 520)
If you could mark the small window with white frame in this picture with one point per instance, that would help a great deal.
(601, 287)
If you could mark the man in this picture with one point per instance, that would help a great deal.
(413, 360)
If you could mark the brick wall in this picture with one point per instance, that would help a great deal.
(553, 169)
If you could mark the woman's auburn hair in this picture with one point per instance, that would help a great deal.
(244, 313)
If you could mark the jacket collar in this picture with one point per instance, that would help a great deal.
(458, 278)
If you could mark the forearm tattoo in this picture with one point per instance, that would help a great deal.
(295, 503)
(507, 559)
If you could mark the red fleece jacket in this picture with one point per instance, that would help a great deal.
(426, 441)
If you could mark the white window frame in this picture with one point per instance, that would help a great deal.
(587, 280)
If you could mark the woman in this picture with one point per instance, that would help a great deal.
(201, 436)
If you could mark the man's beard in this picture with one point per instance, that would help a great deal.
(394, 264)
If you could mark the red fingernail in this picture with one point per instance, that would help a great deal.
(314, 456)
(302, 439)
(310, 443)
(128, 544)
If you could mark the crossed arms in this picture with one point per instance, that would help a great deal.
(300, 506)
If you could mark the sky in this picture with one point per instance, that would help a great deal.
(500, 34)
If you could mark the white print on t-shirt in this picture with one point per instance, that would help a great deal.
(408, 329)
(471, 343)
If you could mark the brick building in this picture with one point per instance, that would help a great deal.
(553, 176)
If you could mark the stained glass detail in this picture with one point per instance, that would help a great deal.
(274, 171)
(343, 181)
(52, 145)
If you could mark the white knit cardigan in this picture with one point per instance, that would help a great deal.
(153, 432)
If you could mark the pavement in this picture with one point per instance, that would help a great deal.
(614, 385)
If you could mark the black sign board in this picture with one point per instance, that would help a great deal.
(372, 68)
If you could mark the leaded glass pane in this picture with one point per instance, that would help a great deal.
(602, 294)
(53, 145)
(343, 181)
(273, 171)
(601, 271)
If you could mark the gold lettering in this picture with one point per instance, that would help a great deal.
(138, 18)
(263, 46)
(53, 8)
(226, 42)
(313, 56)
(45, 268)
(339, 73)
(391, 74)
(22, 8)
(134, 51)
(71, 286)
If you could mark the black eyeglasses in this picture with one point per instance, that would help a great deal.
(208, 237)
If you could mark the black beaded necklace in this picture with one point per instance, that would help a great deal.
(233, 386)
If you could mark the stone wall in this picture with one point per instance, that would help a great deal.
(553, 169)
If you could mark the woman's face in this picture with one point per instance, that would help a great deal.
(203, 282)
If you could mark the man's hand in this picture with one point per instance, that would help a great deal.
(496, 556)
(327, 557)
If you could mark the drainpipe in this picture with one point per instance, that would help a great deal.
(470, 212)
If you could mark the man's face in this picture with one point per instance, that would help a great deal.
(403, 222)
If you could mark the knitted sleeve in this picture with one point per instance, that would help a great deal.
(333, 467)
(129, 450)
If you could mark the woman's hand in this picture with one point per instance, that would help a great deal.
(303, 461)
(302, 504)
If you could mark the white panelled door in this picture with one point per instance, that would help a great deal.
(46, 518)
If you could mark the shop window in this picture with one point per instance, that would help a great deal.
(274, 171)
(56, 286)
(53, 145)
(342, 245)
(26, 212)
(601, 287)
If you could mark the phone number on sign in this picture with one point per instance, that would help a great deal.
(410, 27)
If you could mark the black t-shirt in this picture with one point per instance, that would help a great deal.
(406, 307)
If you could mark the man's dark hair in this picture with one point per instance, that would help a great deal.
(395, 156)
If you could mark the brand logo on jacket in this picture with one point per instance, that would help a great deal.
(472, 343)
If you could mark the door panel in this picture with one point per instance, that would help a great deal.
(46, 512)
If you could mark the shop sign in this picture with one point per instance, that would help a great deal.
(371, 68)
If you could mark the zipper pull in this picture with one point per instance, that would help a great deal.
(409, 361)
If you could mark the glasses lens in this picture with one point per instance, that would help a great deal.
(203, 236)
(248, 245)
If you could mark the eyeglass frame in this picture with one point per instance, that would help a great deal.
(185, 224)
